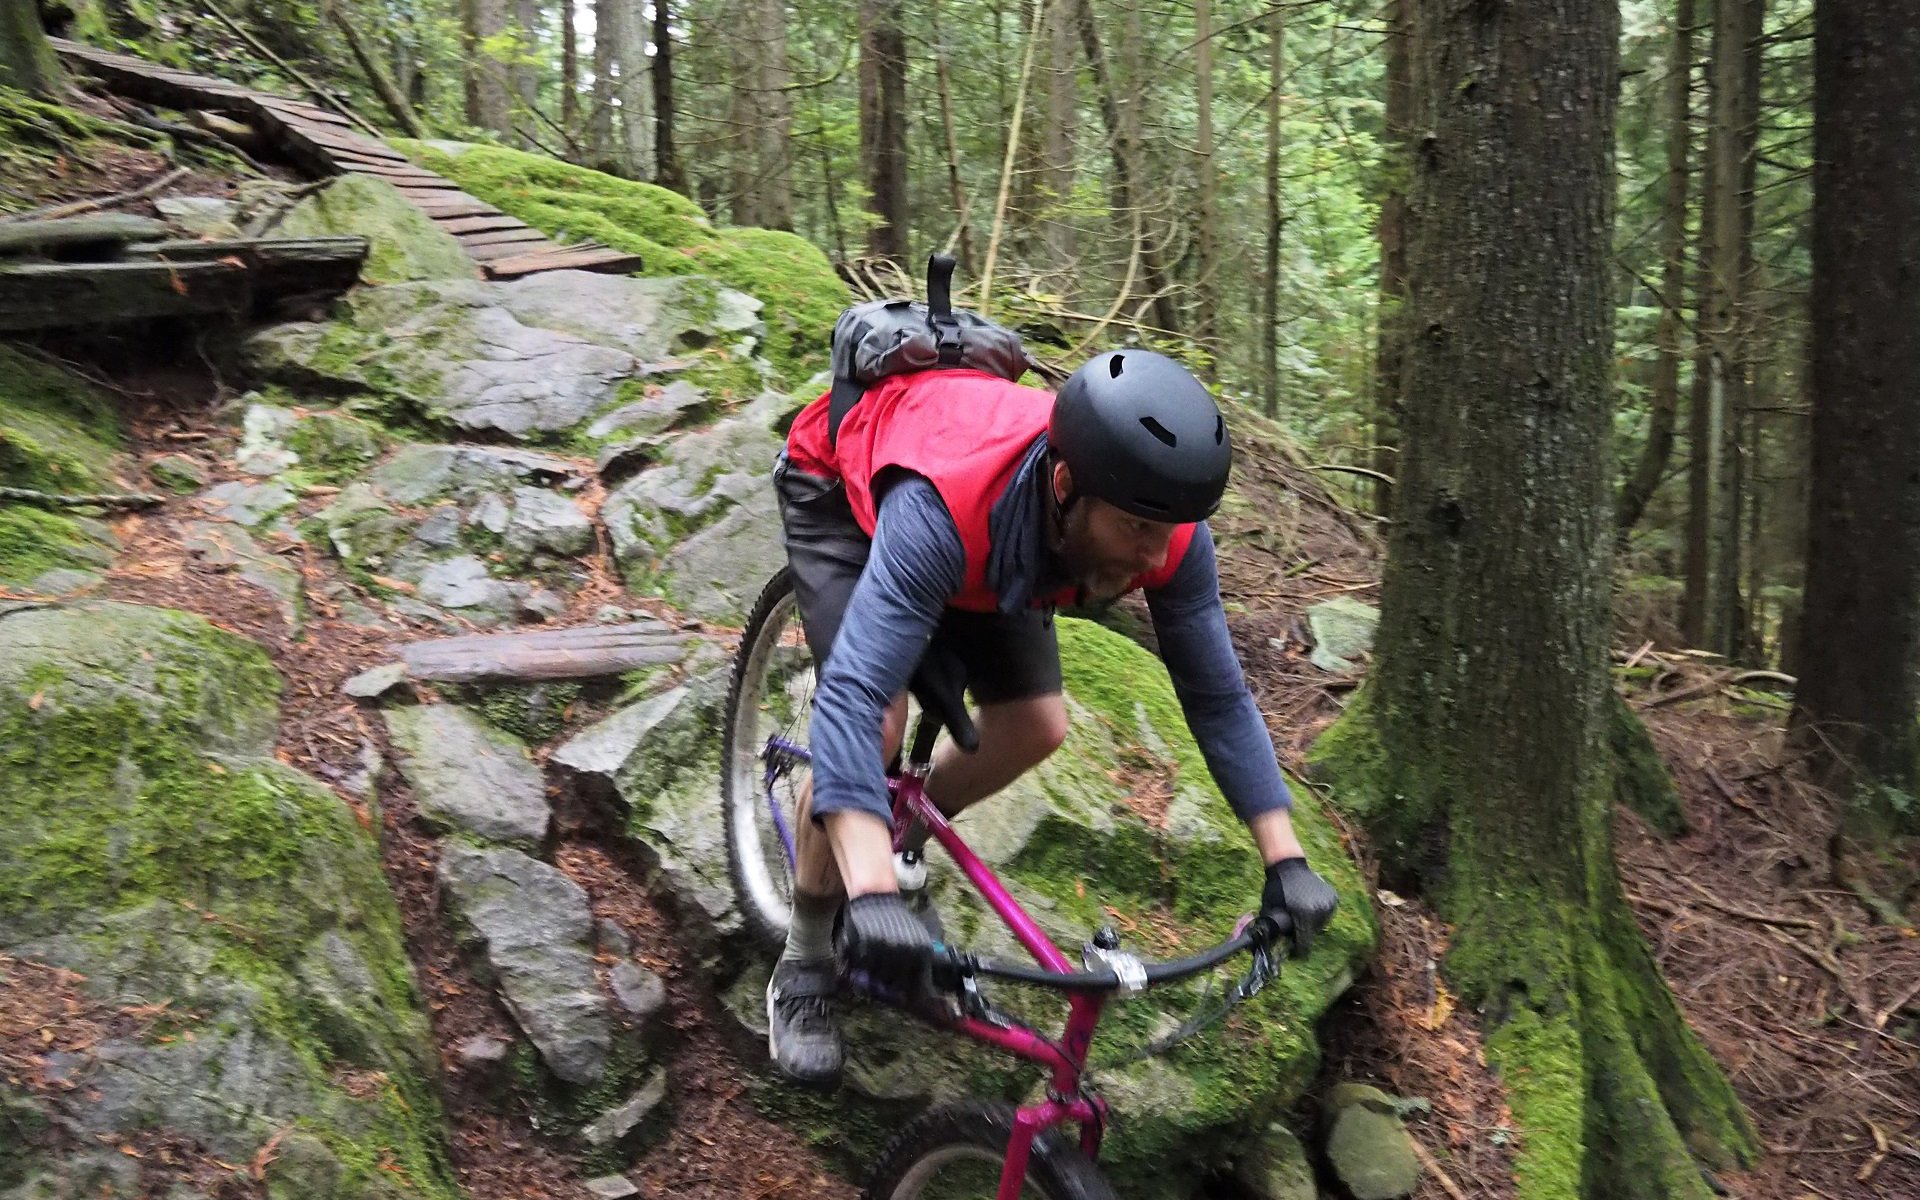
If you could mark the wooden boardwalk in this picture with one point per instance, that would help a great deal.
(322, 143)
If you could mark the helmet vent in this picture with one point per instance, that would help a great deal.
(1219, 429)
(1113, 365)
(1160, 431)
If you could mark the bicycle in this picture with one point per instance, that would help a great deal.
(772, 685)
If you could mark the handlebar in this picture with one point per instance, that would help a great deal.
(953, 963)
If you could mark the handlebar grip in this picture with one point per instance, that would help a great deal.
(940, 284)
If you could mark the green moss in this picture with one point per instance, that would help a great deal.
(56, 433)
(334, 447)
(536, 713)
(36, 135)
(145, 819)
(33, 542)
(404, 243)
(794, 281)
(1640, 778)
(1541, 1062)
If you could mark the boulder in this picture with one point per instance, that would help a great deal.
(254, 505)
(700, 527)
(1372, 1154)
(158, 850)
(534, 932)
(469, 777)
(178, 473)
(1342, 631)
(404, 244)
(532, 359)
(620, 1127)
(1275, 1167)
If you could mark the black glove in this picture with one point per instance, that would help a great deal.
(1306, 900)
(882, 937)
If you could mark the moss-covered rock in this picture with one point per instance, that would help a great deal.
(404, 243)
(34, 542)
(156, 848)
(57, 433)
(786, 273)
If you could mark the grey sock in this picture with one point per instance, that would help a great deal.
(810, 933)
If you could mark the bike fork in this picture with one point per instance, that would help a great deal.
(1027, 1124)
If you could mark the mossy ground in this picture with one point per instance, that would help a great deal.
(139, 791)
(1615, 1097)
(56, 433)
(786, 273)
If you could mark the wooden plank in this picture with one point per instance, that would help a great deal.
(605, 260)
(38, 238)
(296, 110)
(56, 295)
(439, 195)
(353, 159)
(395, 173)
(333, 140)
(451, 209)
(280, 266)
(586, 652)
(502, 237)
(488, 223)
(487, 254)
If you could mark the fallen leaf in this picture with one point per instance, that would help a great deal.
(36, 700)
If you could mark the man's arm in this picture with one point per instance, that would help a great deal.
(915, 566)
(1207, 676)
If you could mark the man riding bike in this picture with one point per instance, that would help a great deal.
(952, 510)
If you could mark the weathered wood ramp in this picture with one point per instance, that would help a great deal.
(324, 143)
(579, 653)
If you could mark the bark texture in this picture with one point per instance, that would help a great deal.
(1394, 220)
(27, 60)
(1857, 689)
(883, 125)
(1478, 752)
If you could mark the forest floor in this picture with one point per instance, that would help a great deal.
(1809, 1006)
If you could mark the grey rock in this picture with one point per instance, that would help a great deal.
(539, 604)
(178, 473)
(612, 1187)
(641, 993)
(622, 1125)
(1342, 630)
(534, 929)
(263, 449)
(611, 614)
(423, 472)
(441, 529)
(302, 1166)
(1372, 1154)
(542, 520)
(700, 527)
(610, 939)
(665, 407)
(465, 583)
(375, 681)
(1347, 1094)
(1275, 1167)
(231, 547)
(200, 216)
(491, 514)
(651, 319)
(249, 504)
(61, 580)
(468, 776)
(483, 1053)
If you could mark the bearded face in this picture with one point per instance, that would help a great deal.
(1103, 548)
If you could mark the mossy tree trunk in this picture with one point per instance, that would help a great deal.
(27, 60)
(1478, 753)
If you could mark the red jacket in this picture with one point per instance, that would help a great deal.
(966, 432)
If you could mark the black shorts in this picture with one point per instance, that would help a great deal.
(1008, 656)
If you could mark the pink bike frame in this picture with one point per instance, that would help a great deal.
(1065, 1060)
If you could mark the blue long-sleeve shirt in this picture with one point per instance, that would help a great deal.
(917, 564)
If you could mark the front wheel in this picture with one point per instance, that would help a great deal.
(955, 1153)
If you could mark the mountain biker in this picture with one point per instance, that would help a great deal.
(955, 509)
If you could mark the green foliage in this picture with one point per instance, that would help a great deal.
(791, 278)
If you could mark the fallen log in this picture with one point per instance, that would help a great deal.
(279, 266)
(55, 295)
(103, 232)
(583, 653)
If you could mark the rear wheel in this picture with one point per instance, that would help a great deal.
(955, 1153)
(768, 706)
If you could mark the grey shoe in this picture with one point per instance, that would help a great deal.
(802, 1036)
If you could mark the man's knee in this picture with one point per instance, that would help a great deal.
(1031, 729)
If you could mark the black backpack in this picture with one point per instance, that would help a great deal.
(896, 337)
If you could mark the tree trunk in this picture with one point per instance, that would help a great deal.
(383, 85)
(487, 75)
(1062, 94)
(630, 52)
(1855, 704)
(1207, 223)
(1477, 753)
(1394, 219)
(524, 72)
(668, 172)
(1117, 113)
(606, 20)
(883, 126)
(762, 133)
(1270, 272)
(27, 60)
(1639, 487)
(1701, 441)
(962, 217)
(569, 71)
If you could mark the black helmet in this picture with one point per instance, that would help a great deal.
(1140, 432)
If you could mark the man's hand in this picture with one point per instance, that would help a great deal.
(882, 937)
(1295, 889)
